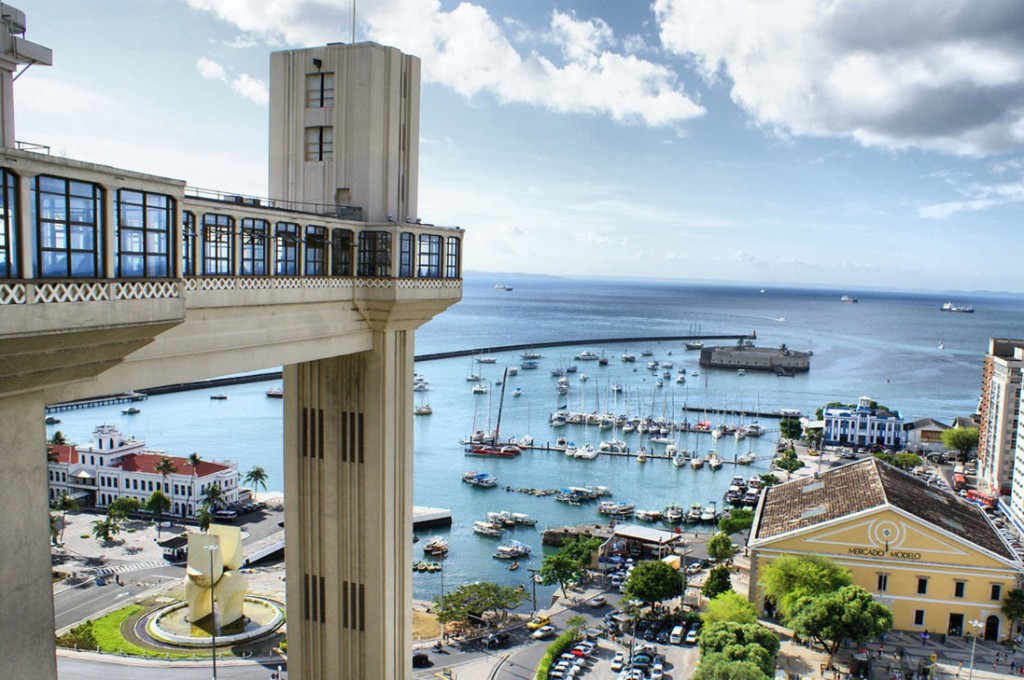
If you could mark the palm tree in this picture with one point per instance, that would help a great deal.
(58, 438)
(204, 518)
(53, 529)
(158, 503)
(213, 497)
(166, 468)
(63, 504)
(257, 477)
(194, 460)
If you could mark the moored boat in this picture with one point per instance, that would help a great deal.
(647, 515)
(481, 479)
(673, 514)
(694, 513)
(275, 392)
(613, 509)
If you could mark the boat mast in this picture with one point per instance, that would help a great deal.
(501, 403)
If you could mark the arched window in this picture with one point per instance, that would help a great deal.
(316, 250)
(374, 253)
(8, 224)
(287, 255)
(69, 227)
(218, 245)
(452, 268)
(406, 242)
(188, 243)
(254, 246)
(143, 234)
(429, 264)
(341, 252)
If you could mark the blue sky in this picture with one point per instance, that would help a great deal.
(846, 143)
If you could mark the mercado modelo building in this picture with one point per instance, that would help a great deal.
(112, 466)
(935, 559)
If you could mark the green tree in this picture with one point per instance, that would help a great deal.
(560, 569)
(105, 529)
(53, 529)
(963, 439)
(193, 462)
(576, 623)
(63, 504)
(850, 613)
(903, 461)
(720, 547)
(653, 581)
(257, 477)
(789, 578)
(720, 667)
(477, 598)
(790, 428)
(158, 503)
(79, 637)
(1013, 605)
(729, 606)
(204, 518)
(717, 582)
(789, 464)
(120, 508)
(768, 479)
(166, 468)
(744, 643)
(213, 496)
(58, 438)
(738, 520)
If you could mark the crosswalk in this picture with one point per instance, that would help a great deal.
(133, 566)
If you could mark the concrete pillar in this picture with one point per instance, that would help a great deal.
(348, 509)
(26, 608)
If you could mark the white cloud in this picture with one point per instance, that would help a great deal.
(468, 50)
(945, 75)
(211, 70)
(243, 84)
(976, 196)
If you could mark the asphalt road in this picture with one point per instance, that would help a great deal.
(75, 668)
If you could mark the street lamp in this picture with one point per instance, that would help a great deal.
(533, 582)
(213, 613)
(974, 641)
(442, 601)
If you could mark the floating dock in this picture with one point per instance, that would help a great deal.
(423, 518)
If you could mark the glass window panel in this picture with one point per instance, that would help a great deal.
(131, 241)
(129, 196)
(51, 184)
(83, 210)
(132, 216)
(82, 264)
(54, 263)
(132, 265)
(52, 208)
(156, 266)
(82, 237)
(53, 235)
(81, 189)
(157, 219)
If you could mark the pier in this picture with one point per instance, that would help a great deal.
(750, 413)
(573, 343)
(628, 453)
(123, 398)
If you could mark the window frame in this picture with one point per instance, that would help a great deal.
(341, 252)
(428, 256)
(72, 229)
(189, 239)
(287, 254)
(406, 246)
(452, 255)
(919, 615)
(314, 245)
(374, 256)
(320, 90)
(922, 585)
(319, 143)
(9, 214)
(959, 589)
(883, 583)
(152, 258)
(255, 256)
(219, 251)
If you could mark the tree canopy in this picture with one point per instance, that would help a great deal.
(717, 582)
(570, 563)
(963, 439)
(850, 613)
(729, 606)
(653, 581)
(257, 477)
(64, 503)
(790, 428)
(477, 598)
(738, 520)
(1013, 605)
(904, 461)
(120, 508)
(58, 438)
(792, 577)
(720, 547)
(720, 667)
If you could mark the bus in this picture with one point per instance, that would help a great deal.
(982, 499)
(958, 481)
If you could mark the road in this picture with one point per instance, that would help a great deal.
(78, 668)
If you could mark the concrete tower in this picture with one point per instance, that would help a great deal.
(344, 129)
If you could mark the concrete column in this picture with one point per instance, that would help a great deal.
(348, 509)
(26, 608)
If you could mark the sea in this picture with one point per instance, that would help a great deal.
(898, 348)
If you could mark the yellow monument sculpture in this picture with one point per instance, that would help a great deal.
(213, 558)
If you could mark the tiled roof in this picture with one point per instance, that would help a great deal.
(147, 462)
(66, 453)
(868, 484)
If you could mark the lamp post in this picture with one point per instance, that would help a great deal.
(974, 641)
(442, 601)
(533, 582)
(213, 614)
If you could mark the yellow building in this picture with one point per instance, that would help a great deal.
(934, 559)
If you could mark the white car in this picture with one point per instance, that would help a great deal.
(618, 661)
(598, 601)
(657, 672)
(544, 632)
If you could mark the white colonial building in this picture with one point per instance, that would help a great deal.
(112, 466)
(864, 425)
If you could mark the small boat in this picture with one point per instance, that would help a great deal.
(513, 370)
(751, 496)
(503, 286)
(963, 309)
(740, 371)
(647, 352)
(435, 543)
(613, 509)
(517, 392)
(718, 432)
(218, 397)
(481, 479)
(679, 458)
(480, 388)
(486, 360)
(746, 459)
(739, 434)
(487, 529)
(130, 411)
(696, 463)
(648, 515)
(695, 373)
(528, 365)
(734, 495)
(694, 345)
(754, 429)
(530, 355)
(616, 388)
(571, 368)
(525, 441)
(848, 299)
(512, 550)
(422, 410)
(513, 566)
(680, 378)
(612, 446)
(673, 514)
(708, 514)
(641, 455)
(693, 515)
(713, 461)
(420, 387)
(523, 519)
(584, 377)
(275, 392)
(52, 420)
(488, 450)
(587, 355)
(586, 452)
(629, 358)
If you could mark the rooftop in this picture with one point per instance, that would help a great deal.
(147, 462)
(865, 485)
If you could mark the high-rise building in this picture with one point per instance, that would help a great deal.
(999, 409)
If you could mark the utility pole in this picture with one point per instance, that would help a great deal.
(533, 582)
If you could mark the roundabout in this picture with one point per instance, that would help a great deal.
(170, 625)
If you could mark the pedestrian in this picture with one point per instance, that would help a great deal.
(1013, 665)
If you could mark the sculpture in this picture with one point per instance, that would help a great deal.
(215, 567)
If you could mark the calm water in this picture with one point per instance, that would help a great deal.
(886, 347)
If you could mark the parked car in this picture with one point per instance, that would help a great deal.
(420, 660)
(496, 639)
(598, 601)
(225, 514)
(618, 661)
(657, 672)
(691, 637)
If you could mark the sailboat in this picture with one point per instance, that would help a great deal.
(494, 447)
(942, 341)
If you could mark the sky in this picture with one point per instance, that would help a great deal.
(843, 143)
